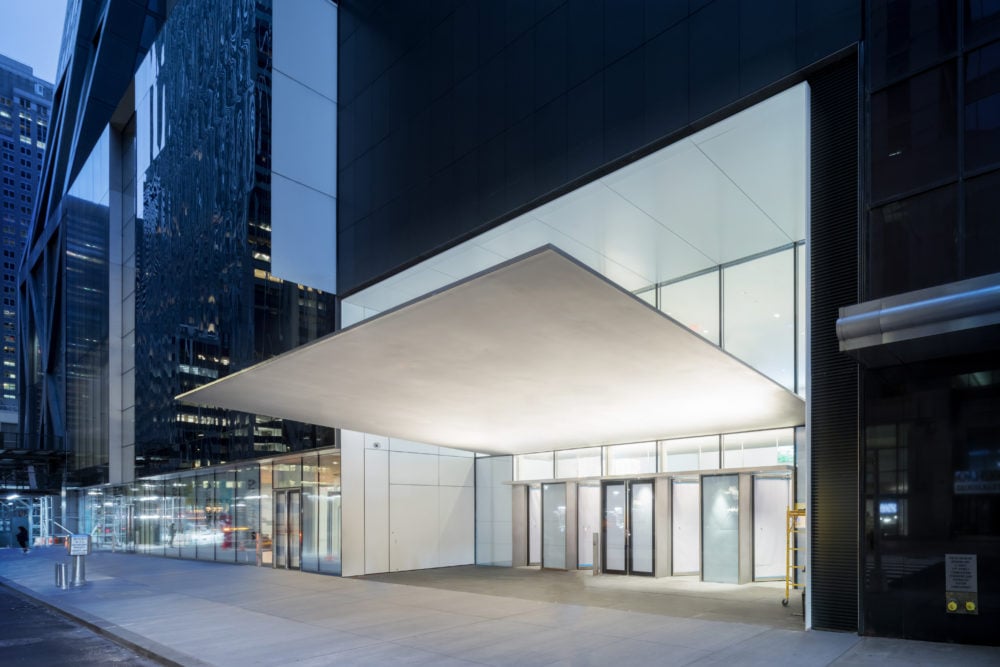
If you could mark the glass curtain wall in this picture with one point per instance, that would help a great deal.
(753, 308)
(321, 514)
(223, 514)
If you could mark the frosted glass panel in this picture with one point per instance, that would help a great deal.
(588, 513)
(695, 304)
(759, 448)
(720, 528)
(534, 525)
(635, 459)
(494, 510)
(800, 319)
(572, 463)
(642, 527)
(759, 316)
(329, 530)
(534, 466)
(310, 526)
(686, 528)
(614, 527)
(701, 453)
(554, 526)
(770, 501)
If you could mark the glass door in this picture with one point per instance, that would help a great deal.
(771, 499)
(288, 529)
(588, 513)
(641, 527)
(614, 542)
(534, 525)
(294, 530)
(686, 527)
(281, 529)
(628, 527)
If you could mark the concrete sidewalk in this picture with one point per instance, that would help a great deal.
(200, 613)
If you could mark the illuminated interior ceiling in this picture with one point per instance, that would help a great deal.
(534, 354)
(732, 190)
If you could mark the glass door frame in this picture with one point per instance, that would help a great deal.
(283, 541)
(535, 535)
(696, 482)
(627, 485)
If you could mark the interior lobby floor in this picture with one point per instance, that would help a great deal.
(684, 596)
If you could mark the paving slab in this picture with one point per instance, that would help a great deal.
(202, 613)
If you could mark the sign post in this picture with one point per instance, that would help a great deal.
(79, 549)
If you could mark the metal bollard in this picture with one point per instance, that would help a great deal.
(61, 575)
(79, 571)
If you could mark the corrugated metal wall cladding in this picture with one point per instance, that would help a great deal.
(834, 423)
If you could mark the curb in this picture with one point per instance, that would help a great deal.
(130, 640)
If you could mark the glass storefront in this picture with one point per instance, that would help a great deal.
(226, 514)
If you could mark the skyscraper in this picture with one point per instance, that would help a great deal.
(25, 106)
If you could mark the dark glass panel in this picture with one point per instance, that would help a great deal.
(931, 457)
(982, 231)
(982, 20)
(913, 133)
(908, 36)
(86, 220)
(912, 243)
(982, 107)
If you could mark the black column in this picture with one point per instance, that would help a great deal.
(833, 243)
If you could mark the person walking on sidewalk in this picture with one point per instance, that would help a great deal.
(22, 538)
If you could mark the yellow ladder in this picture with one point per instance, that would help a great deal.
(793, 528)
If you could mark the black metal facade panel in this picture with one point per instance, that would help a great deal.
(834, 283)
(455, 116)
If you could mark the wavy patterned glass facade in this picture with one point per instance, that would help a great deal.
(205, 303)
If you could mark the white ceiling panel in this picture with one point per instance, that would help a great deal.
(465, 260)
(765, 161)
(690, 196)
(732, 190)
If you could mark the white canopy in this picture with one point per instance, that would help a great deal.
(534, 354)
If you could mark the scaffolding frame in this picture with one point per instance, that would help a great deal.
(794, 526)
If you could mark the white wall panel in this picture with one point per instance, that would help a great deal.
(376, 511)
(414, 527)
(454, 471)
(352, 464)
(304, 234)
(304, 142)
(305, 44)
(448, 451)
(303, 131)
(400, 445)
(406, 468)
(456, 509)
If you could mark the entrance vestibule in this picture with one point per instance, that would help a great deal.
(723, 526)
(627, 532)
